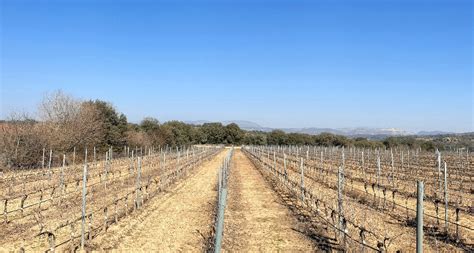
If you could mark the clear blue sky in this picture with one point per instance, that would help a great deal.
(381, 63)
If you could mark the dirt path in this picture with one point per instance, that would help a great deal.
(177, 221)
(255, 220)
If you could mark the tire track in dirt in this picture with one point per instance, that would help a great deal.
(255, 219)
(180, 220)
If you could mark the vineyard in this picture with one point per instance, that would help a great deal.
(236, 126)
(63, 207)
(254, 198)
(367, 199)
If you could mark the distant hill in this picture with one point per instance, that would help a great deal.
(351, 132)
(197, 122)
(243, 124)
(430, 133)
(248, 125)
(365, 132)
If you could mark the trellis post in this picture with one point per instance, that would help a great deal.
(84, 192)
(445, 197)
(302, 180)
(42, 162)
(139, 172)
(62, 176)
(419, 217)
(340, 203)
(49, 163)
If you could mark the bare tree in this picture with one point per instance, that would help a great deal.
(16, 133)
(64, 122)
(68, 122)
(58, 107)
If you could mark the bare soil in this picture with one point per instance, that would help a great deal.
(180, 220)
(256, 220)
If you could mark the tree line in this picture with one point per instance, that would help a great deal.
(64, 123)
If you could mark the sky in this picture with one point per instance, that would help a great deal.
(380, 63)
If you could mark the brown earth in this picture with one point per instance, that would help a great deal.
(255, 219)
(180, 220)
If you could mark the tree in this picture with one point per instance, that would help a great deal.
(136, 137)
(212, 133)
(20, 142)
(277, 137)
(151, 128)
(233, 134)
(181, 132)
(114, 124)
(150, 124)
(66, 122)
(255, 138)
(324, 139)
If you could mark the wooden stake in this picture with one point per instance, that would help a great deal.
(84, 192)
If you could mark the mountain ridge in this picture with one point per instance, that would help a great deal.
(366, 132)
